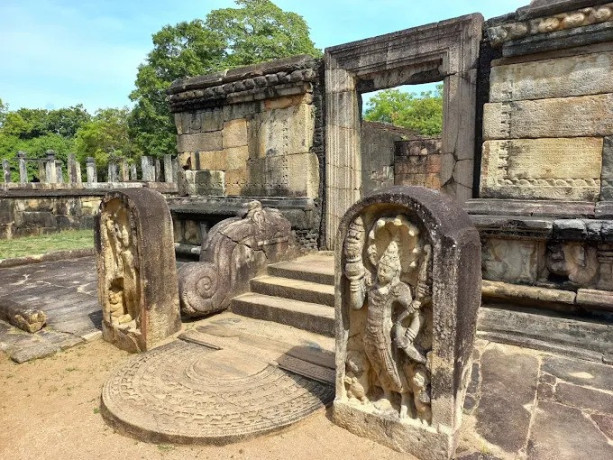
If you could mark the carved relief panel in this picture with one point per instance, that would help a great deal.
(137, 277)
(408, 284)
(387, 265)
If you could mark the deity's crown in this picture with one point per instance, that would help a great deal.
(391, 256)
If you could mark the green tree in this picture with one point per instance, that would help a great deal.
(106, 134)
(256, 31)
(423, 113)
(35, 131)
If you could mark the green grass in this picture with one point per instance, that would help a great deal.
(42, 244)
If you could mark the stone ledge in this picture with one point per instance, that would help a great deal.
(49, 257)
(283, 77)
(540, 208)
(589, 299)
(558, 19)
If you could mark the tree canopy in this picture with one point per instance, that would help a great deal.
(422, 113)
(256, 31)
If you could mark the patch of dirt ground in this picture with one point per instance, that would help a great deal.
(49, 409)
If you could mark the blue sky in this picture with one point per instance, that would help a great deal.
(58, 53)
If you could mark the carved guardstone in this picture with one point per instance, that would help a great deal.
(408, 288)
(137, 277)
(233, 252)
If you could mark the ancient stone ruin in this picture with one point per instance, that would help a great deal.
(234, 251)
(137, 281)
(408, 291)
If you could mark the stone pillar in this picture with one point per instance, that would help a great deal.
(59, 173)
(158, 170)
(148, 169)
(123, 170)
(7, 171)
(91, 171)
(112, 169)
(50, 170)
(74, 170)
(168, 170)
(42, 171)
(23, 169)
(133, 172)
(175, 170)
(408, 287)
(140, 300)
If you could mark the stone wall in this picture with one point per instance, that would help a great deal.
(545, 180)
(36, 209)
(378, 147)
(251, 132)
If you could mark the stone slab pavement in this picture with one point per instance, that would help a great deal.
(523, 404)
(66, 291)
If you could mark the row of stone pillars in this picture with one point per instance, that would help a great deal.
(50, 170)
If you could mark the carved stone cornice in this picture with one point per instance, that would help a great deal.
(260, 81)
(501, 34)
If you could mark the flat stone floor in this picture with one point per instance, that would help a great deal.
(521, 403)
(66, 291)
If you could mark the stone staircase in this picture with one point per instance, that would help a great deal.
(297, 293)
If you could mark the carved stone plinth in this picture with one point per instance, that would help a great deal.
(408, 289)
(137, 278)
(232, 253)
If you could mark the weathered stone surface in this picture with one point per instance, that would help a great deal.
(233, 252)
(205, 182)
(605, 424)
(563, 433)
(282, 131)
(586, 116)
(579, 372)
(207, 142)
(506, 291)
(508, 387)
(571, 76)
(606, 186)
(515, 261)
(399, 381)
(213, 160)
(547, 331)
(234, 133)
(601, 300)
(583, 398)
(567, 169)
(137, 281)
(219, 394)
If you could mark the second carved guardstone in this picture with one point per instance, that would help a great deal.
(408, 289)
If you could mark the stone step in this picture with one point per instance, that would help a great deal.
(304, 291)
(316, 268)
(307, 316)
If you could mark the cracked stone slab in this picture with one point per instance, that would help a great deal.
(508, 389)
(564, 433)
(580, 372)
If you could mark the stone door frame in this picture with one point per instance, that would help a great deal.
(446, 51)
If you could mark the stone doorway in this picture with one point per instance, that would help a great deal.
(446, 51)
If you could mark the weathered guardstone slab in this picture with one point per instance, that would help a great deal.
(586, 116)
(408, 288)
(552, 78)
(566, 169)
(137, 281)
